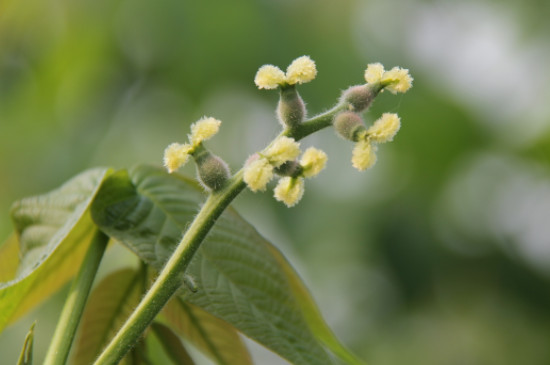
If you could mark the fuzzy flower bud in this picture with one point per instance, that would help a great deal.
(360, 97)
(282, 150)
(212, 171)
(397, 80)
(269, 77)
(374, 73)
(291, 109)
(289, 190)
(203, 129)
(385, 128)
(364, 155)
(301, 70)
(175, 156)
(257, 173)
(313, 161)
(349, 125)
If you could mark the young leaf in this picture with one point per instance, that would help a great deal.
(241, 278)
(26, 354)
(172, 345)
(109, 305)
(54, 232)
(9, 258)
(214, 337)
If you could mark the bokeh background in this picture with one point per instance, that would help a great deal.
(440, 254)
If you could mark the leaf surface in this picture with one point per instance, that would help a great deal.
(172, 345)
(241, 278)
(54, 231)
(213, 336)
(9, 258)
(110, 303)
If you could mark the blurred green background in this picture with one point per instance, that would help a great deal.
(440, 254)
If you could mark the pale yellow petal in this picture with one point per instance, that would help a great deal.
(398, 80)
(364, 155)
(313, 161)
(203, 129)
(301, 70)
(385, 128)
(289, 190)
(282, 150)
(257, 174)
(374, 72)
(175, 156)
(269, 77)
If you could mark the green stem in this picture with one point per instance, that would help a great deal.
(76, 300)
(170, 278)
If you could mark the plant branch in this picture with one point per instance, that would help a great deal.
(76, 300)
(171, 276)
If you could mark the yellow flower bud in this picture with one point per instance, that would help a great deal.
(374, 72)
(385, 128)
(397, 80)
(282, 150)
(269, 77)
(257, 174)
(301, 70)
(313, 161)
(203, 129)
(289, 190)
(364, 155)
(175, 156)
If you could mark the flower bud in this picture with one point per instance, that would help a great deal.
(349, 125)
(291, 109)
(360, 97)
(213, 172)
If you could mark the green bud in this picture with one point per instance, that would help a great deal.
(360, 96)
(212, 171)
(289, 168)
(349, 125)
(291, 109)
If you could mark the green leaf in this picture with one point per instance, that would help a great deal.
(9, 258)
(241, 278)
(110, 303)
(172, 345)
(54, 232)
(26, 354)
(214, 337)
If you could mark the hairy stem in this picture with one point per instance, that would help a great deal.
(76, 300)
(171, 276)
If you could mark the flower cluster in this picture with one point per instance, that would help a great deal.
(383, 130)
(280, 158)
(350, 125)
(213, 172)
(300, 71)
(176, 154)
(396, 80)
